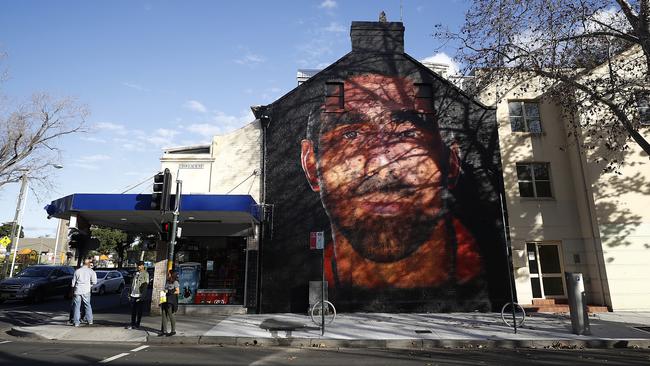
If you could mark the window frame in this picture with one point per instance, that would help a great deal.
(533, 180)
(643, 110)
(525, 118)
(339, 107)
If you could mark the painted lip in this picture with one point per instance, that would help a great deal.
(383, 208)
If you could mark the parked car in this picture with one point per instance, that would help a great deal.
(127, 273)
(108, 281)
(36, 283)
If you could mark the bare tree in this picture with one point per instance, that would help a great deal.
(593, 57)
(29, 134)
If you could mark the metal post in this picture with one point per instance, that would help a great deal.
(177, 208)
(56, 243)
(16, 226)
(510, 279)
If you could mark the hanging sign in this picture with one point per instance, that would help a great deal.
(316, 240)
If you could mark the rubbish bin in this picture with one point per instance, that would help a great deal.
(577, 303)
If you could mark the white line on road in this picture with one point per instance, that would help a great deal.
(139, 348)
(113, 358)
(3, 342)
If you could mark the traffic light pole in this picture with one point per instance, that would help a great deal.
(172, 241)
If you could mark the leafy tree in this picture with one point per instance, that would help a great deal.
(110, 240)
(5, 230)
(593, 57)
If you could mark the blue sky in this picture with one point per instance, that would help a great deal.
(156, 74)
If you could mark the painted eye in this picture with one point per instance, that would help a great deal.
(409, 134)
(350, 135)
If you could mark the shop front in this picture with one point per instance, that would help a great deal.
(215, 255)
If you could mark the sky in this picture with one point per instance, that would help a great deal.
(157, 74)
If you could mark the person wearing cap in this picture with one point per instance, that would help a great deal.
(138, 295)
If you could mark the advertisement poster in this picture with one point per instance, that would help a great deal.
(189, 278)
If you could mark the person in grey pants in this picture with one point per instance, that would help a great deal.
(82, 281)
(170, 307)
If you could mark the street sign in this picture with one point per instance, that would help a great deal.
(316, 240)
(4, 241)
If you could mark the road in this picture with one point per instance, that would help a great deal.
(18, 313)
(16, 351)
(44, 353)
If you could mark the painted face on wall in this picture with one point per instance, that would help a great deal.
(380, 167)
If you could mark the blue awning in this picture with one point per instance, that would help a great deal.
(201, 214)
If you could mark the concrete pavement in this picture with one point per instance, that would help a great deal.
(360, 330)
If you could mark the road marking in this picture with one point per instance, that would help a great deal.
(3, 342)
(113, 358)
(139, 348)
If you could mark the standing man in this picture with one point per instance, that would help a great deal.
(82, 281)
(138, 295)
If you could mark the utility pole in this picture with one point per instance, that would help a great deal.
(16, 226)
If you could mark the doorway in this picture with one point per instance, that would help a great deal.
(546, 270)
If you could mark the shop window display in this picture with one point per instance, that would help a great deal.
(212, 270)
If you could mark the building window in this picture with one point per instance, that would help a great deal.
(524, 117)
(534, 180)
(333, 96)
(643, 106)
(424, 98)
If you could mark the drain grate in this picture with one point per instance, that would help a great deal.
(645, 329)
(422, 331)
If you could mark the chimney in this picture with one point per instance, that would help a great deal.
(377, 37)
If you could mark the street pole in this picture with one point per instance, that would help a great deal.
(508, 259)
(56, 243)
(16, 226)
(177, 208)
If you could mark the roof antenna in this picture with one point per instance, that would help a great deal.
(401, 10)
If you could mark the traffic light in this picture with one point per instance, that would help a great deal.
(75, 238)
(161, 191)
(166, 231)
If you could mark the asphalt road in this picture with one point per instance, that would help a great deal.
(19, 313)
(47, 353)
(22, 351)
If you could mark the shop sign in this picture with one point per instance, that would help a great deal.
(316, 240)
(191, 166)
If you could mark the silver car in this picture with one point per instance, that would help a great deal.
(108, 281)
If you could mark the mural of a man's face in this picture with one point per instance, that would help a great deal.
(380, 167)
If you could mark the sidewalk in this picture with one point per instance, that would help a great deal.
(362, 330)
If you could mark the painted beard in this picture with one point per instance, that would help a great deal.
(386, 240)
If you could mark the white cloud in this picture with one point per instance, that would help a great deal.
(335, 27)
(195, 106)
(205, 129)
(94, 158)
(89, 162)
(248, 58)
(112, 127)
(92, 139)
(328, 4)
(221, 123)
(135, 86)
(443, 58)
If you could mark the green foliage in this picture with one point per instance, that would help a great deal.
(5, 230)
(110, 240)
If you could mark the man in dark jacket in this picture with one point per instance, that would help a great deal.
(138, 295)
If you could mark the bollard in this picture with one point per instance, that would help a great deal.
(577, 303)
